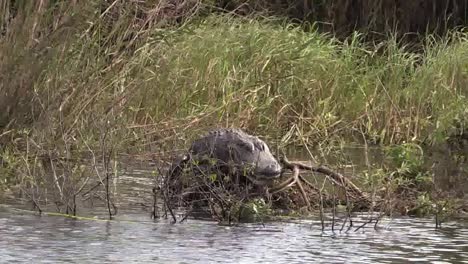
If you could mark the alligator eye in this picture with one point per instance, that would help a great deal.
(259, 145)
(247, 146)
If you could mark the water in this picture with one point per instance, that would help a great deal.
(48, 239)
(134, 238)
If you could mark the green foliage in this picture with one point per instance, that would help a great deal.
(441, 208)
(8, 163)
(373, 179)
(254, 210)
(408, 159)
(263, 73)
(424, 205)
(405, 169)
(221, 69)
(213, 177)
(404, 178)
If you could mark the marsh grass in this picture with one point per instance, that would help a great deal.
(101, 79)
(269, 76)
(262, 74)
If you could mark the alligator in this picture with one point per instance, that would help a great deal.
(232, 152)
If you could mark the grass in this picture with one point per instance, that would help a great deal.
(262, 74)
(80, 80)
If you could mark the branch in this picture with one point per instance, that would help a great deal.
(336, 177)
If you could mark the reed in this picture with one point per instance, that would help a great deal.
(151, 76)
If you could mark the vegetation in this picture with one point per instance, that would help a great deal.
(97, 80)
(407, 18)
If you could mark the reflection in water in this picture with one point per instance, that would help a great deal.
(29, 238)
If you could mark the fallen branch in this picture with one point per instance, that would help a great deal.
(336, 177)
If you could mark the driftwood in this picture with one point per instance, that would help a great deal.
(294, 180)
(333, 176)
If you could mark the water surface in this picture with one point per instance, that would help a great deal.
(133, 237)
(26, 237)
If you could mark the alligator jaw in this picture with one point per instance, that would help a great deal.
(268, 177)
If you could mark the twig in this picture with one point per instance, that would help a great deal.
(105, 160)
(283, 186)
(302, 191)
(348, 208)
(335, 176)
(155, 214)
(166, 203)
(308, 183)
(35, 203)
(322, 221)
(334, 208)
(363, 225)
(92, 188)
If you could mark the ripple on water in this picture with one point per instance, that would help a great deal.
(53, 239)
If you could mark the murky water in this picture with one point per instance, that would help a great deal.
(134, 238)
(47, 239)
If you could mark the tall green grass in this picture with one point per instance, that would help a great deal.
(262, 74)
(270, 76)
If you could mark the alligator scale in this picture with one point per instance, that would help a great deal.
(231, 152)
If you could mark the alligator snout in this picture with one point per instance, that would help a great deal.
(271, 171)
